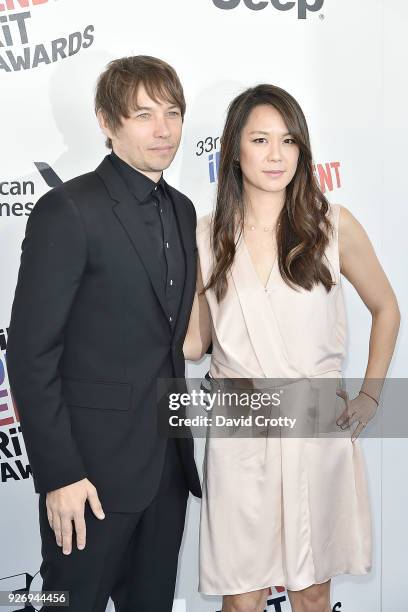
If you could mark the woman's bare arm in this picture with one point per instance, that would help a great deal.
(198, 337)
(360, 265)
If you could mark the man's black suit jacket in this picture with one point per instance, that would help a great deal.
(89, 337)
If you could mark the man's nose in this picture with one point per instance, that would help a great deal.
(161, 128)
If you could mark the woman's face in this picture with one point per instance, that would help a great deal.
(268, 154)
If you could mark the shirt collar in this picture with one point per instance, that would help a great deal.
(138, 183)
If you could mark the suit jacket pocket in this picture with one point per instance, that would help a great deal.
(99, 395)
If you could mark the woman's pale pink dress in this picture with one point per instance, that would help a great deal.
(280, 511)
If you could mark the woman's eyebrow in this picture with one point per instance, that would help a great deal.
(267, 133)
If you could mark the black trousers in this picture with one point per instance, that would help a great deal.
(130, 557)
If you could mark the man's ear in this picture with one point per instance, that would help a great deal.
(103, 124)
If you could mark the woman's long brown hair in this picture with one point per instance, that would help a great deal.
(302, 226)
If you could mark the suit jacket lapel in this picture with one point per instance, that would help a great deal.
(129, 215)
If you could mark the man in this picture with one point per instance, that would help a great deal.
(103, 298)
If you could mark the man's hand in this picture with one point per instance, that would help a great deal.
(67, 504)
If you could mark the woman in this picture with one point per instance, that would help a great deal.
(291, 512)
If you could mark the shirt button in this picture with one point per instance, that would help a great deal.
(155, 188)
(167, 245)
(171, 281)
(170, 319)
(161, 210)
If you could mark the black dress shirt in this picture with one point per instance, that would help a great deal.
(158, 214)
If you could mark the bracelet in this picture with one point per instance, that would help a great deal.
(368, 395)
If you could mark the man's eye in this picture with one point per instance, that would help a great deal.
(174, 113)
(143, 115)
(291, 140)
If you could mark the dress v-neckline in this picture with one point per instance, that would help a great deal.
(251, 263)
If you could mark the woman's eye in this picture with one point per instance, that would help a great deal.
(262, 140)
(174, 113)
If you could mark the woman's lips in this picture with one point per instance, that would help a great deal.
(274, 173)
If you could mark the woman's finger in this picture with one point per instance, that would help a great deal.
(357, 431)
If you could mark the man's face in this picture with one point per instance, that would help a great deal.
(148, 140)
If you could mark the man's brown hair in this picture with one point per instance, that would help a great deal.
(117, 87)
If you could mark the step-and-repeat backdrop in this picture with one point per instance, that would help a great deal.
(345, 62)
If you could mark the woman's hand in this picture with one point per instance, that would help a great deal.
(359, 410)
